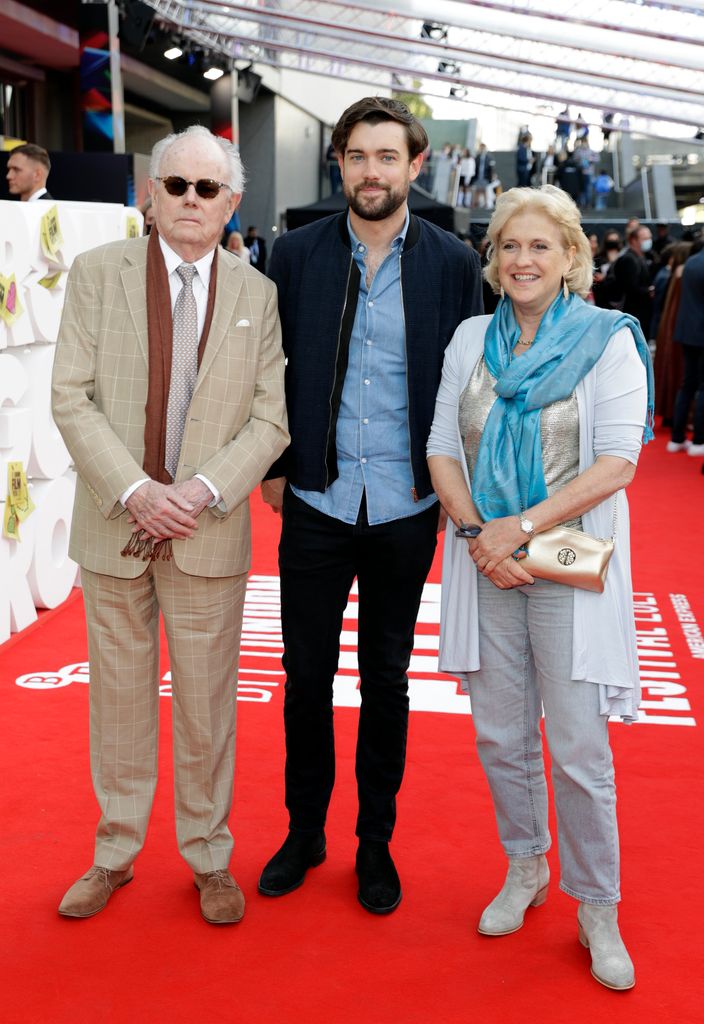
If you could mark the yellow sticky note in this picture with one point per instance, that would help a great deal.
(50, 233)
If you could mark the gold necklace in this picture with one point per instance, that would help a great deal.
(522, 341)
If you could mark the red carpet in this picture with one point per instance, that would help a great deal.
(315, 956)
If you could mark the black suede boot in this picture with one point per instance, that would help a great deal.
(287, 868)
(379, 884)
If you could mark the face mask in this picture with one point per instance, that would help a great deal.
(646, 245)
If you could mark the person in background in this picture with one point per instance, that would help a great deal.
(563, 128)
(669, 363)
(483, 169)
(632, 275)
(661, 283)
(168, 391)
(662, 239)
(364, 334)
(585, 158)
(548, 166)
(689, 334)
(607, 126)
(603, 186)
(569, 175)
(147, 211)
(605, 290)
(257, 248)
(27, 172)
(465, 170)
(610, 249)
(524, 160)
(235, 244)
(539, 421)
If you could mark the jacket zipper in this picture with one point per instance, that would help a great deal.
(414, 491)
(337, 353)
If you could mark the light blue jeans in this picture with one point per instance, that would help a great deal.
(525, 646)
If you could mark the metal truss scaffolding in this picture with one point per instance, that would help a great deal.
(643, 59)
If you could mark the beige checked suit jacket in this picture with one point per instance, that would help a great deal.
(236, 425)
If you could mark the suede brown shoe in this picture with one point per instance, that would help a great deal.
(90, 894)
(221, 899)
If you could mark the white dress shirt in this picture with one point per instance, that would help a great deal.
(201, 286)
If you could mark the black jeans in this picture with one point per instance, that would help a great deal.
(692, 385)
(319, 557)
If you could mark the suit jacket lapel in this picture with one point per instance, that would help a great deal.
(134, 281)
(228, 287)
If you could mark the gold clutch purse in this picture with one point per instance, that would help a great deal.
(569, 556)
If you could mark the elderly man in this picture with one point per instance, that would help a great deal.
(27, 171)
(369, 300)
(168, 390)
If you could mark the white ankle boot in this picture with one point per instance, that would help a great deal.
(526, 886)
(598, 931)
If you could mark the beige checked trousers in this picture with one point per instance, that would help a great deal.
(203, 624)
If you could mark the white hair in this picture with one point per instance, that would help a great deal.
(236, 176)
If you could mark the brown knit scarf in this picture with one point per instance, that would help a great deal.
(160, 333)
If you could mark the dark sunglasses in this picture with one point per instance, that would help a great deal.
(206, 188)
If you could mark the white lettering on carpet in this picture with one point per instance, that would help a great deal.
(261, 674)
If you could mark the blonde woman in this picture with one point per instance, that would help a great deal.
(539, 421)
(235, 243)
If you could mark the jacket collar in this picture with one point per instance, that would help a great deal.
(412, 235)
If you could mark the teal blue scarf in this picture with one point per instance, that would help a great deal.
(508, 475)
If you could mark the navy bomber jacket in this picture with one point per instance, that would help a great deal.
(318, 284)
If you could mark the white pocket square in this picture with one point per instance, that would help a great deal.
(242, 323)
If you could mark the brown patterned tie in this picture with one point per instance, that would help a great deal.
(184, 366)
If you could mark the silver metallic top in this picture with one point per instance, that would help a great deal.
(559, 431)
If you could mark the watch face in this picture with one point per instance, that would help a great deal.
(526, 525)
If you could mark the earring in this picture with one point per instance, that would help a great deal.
(565, 289)
(502, 293)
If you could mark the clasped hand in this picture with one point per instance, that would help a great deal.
(168, 510)
(493, 553)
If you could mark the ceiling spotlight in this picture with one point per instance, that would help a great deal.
(448, 67)
(173, 53)
(458, 92)
(433, 30)
(213, 74)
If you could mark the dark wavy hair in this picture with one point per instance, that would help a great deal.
(374, 110)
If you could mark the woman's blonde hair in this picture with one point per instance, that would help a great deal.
(562, 211)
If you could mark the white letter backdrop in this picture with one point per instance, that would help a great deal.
(36, 572)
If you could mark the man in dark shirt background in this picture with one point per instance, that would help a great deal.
(257, 248)
(632, 276)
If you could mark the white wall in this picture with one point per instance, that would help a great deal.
(35, 572)
(298, 156)
(323, 97)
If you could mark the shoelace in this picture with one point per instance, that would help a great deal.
(103, 875)
(222, 878)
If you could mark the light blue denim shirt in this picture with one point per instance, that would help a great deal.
(373, 442)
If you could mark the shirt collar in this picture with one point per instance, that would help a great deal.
(396, 243)
(173, 260)
(36, 195)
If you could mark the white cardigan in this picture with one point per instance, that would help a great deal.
(611, 400)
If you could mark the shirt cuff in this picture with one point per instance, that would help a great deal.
(130, 491)
(211, 487)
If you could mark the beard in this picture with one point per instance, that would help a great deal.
(375, 207)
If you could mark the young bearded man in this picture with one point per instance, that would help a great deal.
(369, 299)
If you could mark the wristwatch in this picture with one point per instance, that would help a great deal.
(468, 530)
(526, 524)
